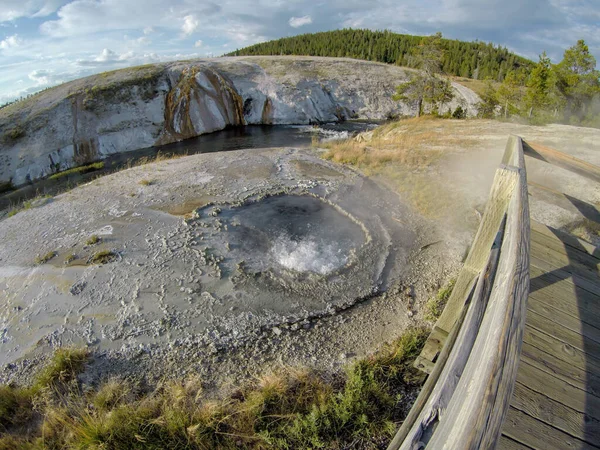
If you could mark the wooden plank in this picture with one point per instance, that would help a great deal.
(566, 238)
(560, 350)
(564, 295)
(564, 272)
(539, 436)
(475, 414)
(437, 402)
(556, 414)
(579, 378)
(554, 388)
(573, 338)
(556, 316)
(562, 259)
(505, 181)
(581, 256)
(506, 443)
(563, 160)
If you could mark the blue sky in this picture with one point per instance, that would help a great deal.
(46, 42)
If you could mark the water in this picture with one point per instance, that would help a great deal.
(298, 233)
(237, 138)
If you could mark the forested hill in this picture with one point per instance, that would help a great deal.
(467, 59)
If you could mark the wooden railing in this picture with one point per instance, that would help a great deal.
(473, 351)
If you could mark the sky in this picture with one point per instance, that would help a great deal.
(47, 42)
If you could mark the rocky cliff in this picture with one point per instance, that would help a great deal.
(87, 119)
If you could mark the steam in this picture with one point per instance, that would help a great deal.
(307, 255)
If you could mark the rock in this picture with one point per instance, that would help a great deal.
(88, 119)
(276, 331)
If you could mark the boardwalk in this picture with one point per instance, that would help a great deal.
(556, 399)
(514, 359)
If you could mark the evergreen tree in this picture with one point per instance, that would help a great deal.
(427, 87)
(577, 79)
(489, 101)
(510, 95)
(540, 84)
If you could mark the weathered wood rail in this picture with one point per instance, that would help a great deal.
(473, 351)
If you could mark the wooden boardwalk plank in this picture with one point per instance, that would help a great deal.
(579, 378)
(507, 443)
(572, 322)
(565, 296)
(579, 255)
(556, 414)
(538, 435)
(562, 259)
(565, 238)
(564, 334)
(564, 352)
(564, 272)
(559, 391)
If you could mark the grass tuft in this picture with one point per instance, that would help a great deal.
(93, 240)
(39, 260)
(146, 182)
(103, 257)
(289, 408)
(64, 366)
(435, 306)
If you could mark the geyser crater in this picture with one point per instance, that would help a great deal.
(298, 233)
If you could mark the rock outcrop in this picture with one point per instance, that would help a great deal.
(88, 119)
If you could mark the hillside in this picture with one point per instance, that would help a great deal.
(85, 120)
(478, 60)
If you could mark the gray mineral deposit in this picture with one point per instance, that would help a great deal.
(212, 253)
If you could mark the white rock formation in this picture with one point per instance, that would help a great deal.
(88, 119)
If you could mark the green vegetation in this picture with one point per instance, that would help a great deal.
(146, 182)
(291, 408)
(15, 133)
(27, 205)
(435, 306)
(79, 170)
(567, 92)
(45, 258)
(103, 257)
(467, 59)
(93, 240)
(70, 258)
(427, 87)
(19, 412)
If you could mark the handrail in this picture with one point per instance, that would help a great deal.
(466, 397)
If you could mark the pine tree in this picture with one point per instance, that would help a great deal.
(577, 79)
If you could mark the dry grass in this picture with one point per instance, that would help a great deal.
(406, 155)
(43, 259)
(415, 143)
(290, 408)
(146, 182)
(587, 230)
(477, 86)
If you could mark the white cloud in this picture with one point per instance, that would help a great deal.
(148, 30)
(106, 55)
(41, 77)
(198, 44)
(298, 22)
(14, 9)
(11, 42)
(190, 25)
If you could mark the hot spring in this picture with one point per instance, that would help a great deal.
(286, 233)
